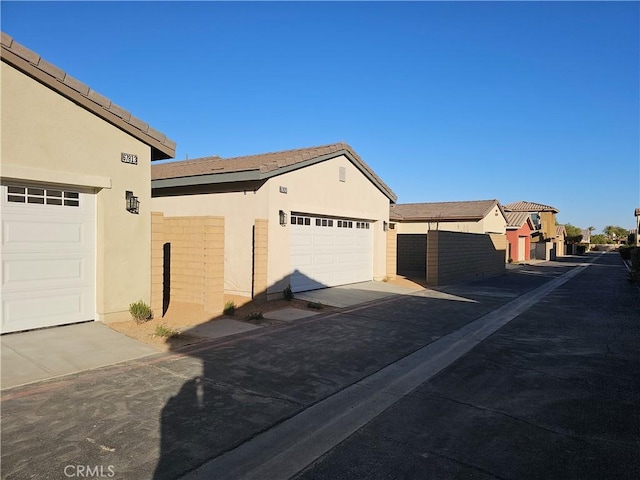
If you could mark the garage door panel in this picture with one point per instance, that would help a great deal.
(302, 260)
(328, 259)
(345, 241)
(338, 255)
(48, 260)
(301, 240)
(52, 307)
(31, 233)
(44, 271)
(323, 240)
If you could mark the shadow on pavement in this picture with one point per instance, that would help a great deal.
(255, 380)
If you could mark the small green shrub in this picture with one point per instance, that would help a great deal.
(166, 332)
(140, 311)
(287, 293)
(315, 306)
(229, 308)
(255, 316)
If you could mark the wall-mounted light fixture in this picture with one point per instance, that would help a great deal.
(385, 226)
(132, 203)
(283, 218)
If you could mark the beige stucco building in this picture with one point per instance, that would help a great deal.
(477, 216)
(71, 250)
(304, 218)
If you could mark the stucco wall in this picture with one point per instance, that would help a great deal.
(513, 240)
(548, 221)
(49, 139)
(494, 222)
(425, 227)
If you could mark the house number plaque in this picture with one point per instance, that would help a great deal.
(129, 158)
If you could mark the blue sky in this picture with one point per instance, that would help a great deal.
(446, 101)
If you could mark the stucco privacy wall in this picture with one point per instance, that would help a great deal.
(240, 211)
(260, 258)
(194, 250)
(454, 256)
(392, 252)
(47, 138)
(412, 254)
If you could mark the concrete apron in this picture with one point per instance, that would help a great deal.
(289, 447)
(344, 296)
(38, 355)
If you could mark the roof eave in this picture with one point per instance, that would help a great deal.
(159, 150)
(207, 179)
(256, 174)
(441, 219)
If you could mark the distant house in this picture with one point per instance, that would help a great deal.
(449, 241)
(544, 235)
(519, 229)
(479, 216)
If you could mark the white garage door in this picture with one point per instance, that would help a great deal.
(326, 252)
(47, 257)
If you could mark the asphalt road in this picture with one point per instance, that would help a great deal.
(553, 393)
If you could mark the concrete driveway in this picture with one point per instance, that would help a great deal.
(345, 296)
(393, 388)
(53, 352)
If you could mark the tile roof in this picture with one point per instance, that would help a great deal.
(263, 165)
(53, 77)
(523, 206)
(561, 231)
(516, 219)
(442, 211)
